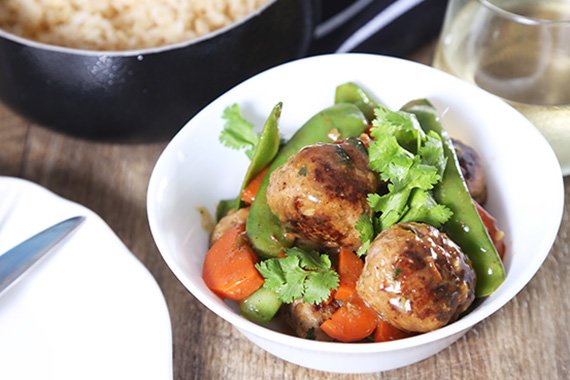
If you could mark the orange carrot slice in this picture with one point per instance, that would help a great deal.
(354, 321)
(229, 267)
(349, 270)
(250, 191)
(385, 332)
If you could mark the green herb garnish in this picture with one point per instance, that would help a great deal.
(366, 230)
(238, 132)
(302, 274)
(412, 163)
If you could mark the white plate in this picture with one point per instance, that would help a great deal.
(524, 183)
(88, 310)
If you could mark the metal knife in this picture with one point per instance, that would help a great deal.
(19, 259)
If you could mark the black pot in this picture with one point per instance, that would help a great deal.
(147, 94)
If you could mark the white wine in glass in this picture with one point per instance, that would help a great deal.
(520, 51)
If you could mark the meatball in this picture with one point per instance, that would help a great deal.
(232, 219)
(472, 170)
(306, 319)
(320, 193)
(416, 278)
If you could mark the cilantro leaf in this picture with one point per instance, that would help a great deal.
(411, 162)
(284, 276)
(374, 201)
(310, 259)
(393, 206)
(423, 208)
(394, 200)
(403, 126)
(364, 248)
(365, 228)
(302, 274)
(431, 152)
(238, 132)
(385, 151)
(422, 176)
(294, 279)
(318, 286)
(272, 273)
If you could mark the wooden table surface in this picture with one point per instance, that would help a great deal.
(529, 338)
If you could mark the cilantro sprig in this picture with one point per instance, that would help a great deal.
(365, 228)
(411, 162)
(301, 274)
(238, 133)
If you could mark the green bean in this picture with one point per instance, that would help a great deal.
(264, 229)
(465, 226)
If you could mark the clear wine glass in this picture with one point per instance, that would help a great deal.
(520, 51)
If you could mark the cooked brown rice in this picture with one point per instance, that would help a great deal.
(119, 24)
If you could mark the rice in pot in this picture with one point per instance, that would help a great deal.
(119, 24)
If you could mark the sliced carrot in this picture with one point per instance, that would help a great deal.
(354, 321)
(229, 266)
(250, 191)
(349, 270)
(385, 332)
(497, 236)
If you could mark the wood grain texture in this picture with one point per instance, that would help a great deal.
(13, 131)
(527, 339)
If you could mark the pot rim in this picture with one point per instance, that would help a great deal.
(139, 53)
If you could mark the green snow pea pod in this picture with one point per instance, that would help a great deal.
(264, 153)
(352, 93)
(266, 149)
(264, 229)
(465, 226)
(261, 306)
(224, 207)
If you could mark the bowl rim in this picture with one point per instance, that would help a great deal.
(134, 52)
(491, 304)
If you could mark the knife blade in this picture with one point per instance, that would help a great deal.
(16, 261)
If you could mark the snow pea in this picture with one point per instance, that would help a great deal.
(264, 229)
(261, 306)
(352, 93)
(465, 226)
(266, 149)
(224, 207)
(264, 153)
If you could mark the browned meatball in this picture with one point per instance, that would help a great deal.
(472, 170)
(232, 219)
(320, 193)
(306, 319)
(416, 278)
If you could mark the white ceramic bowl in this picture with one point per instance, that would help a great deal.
(195, 170)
